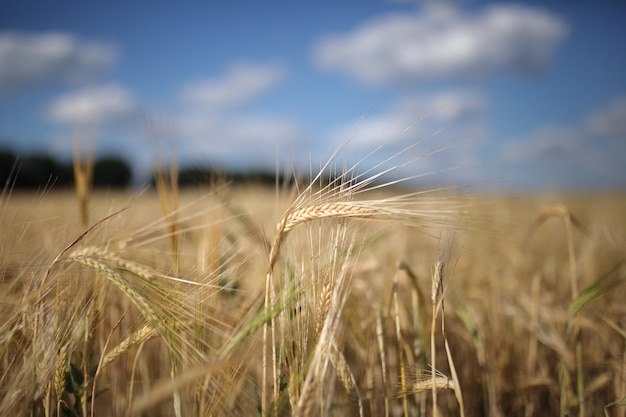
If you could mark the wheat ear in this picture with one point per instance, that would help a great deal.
(145, 333)
(437, 382)
(320, 211)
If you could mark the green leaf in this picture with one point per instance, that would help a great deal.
(598, 288)
(74, 380)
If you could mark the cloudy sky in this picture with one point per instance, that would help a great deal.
(528, 95)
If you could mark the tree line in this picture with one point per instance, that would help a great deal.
(38, 170)
(41, 170)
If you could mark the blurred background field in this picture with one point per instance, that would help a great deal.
(509, 305)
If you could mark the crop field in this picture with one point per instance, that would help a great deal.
(338, 299)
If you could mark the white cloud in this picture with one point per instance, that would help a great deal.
(100, 104)
(461, 113)
(431, 135)
(575, 154)
(610, 121)
(239, 85)
(215, 128)
(548, 143)
(28, 59)
(443, 42)
(242, 141)
(579, 142)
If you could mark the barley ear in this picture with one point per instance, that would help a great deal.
(146, 333)
(59, 372)
(346, 377)
(320, 211)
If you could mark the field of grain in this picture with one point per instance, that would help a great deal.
(241, 301)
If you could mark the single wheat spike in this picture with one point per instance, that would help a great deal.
(305, 214)
(145, 333)
(140, 302)
(424, 383)
(104, 255)
(324, 306)
(441, 382)
(345, 375)
(59, 372)
(343, 370)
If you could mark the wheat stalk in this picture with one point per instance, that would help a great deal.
(83, 177)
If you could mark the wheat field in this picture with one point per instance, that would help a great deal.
(337, 299)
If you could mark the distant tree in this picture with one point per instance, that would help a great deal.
(39, 170)
(111, 171)
(195, 175)
(259, 177)
(8, 164)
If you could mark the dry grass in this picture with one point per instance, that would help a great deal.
(356, 303)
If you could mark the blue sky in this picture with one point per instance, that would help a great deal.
(531, 94)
